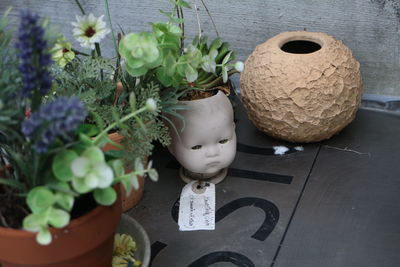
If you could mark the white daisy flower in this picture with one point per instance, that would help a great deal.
(89, 30)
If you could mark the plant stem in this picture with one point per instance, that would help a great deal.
(111, 27)
(212, 20)
(98, 51)
(80, 7)
(198, 18)
(182, 26)
(79, 52)
(111, 126)
(36, 101)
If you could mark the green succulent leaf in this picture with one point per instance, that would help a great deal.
(153, 174)
(191, 74)
(226, 58)
(105, 197)
(136, 72)
(94, 154)
(163, 77)
(58, 218)
(79, 185)
(44, 236)
(39, 199)
(65, 201)
(118, 167)
(33, 222)
(104, 174)
(61, 165)
(91, 180)
(170, 64)
(80, 166)
(134, 181)
(138, 165)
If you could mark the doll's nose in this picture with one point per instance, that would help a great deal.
(212, 151)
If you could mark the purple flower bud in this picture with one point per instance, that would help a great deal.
(34, 57)
(59, 118)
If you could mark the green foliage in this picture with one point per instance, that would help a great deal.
(10, 82)
(74, 164)
(159, 55)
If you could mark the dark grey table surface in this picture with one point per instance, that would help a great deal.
(337, 203)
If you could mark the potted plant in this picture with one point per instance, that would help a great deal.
(105, 88)
(60, 200)
(201, 127)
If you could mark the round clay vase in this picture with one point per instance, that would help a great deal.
(131, 227)
(131, 200)
(205, 145)
(301, 86)
(86, 241)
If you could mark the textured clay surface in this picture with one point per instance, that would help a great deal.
(301, 97)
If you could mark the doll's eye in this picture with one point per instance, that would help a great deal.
(196, 147)
(223, 141)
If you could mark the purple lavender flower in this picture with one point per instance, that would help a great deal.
(34, 56)
(55, 119)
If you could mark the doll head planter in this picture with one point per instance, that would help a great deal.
(206, 145)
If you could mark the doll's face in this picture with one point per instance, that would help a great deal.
(208, 142)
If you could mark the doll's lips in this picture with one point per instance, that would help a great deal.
(213, 164)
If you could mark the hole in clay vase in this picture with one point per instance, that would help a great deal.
(300, 47)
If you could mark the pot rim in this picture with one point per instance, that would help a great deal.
(206, 99)
(319, 38)
(72, 225)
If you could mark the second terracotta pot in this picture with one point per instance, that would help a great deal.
(86, 241)
(135, 196)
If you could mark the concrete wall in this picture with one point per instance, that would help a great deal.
(370, 28)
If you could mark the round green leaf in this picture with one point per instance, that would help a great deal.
(64, 200)
(33, 222)
(91, 180)
(44, 237)
(136, 72)
(105, 175)
(80, 166)
(105, 197)
(61, 165)
(39, 199)
(94, 154)
(58, 218)
(79, 185)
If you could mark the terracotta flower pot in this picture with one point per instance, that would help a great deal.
(135, 196)
(301, 86)
(86, 241)
(207, 144)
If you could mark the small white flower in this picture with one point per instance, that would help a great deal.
(151, 104)
(89, 30)
(239, 66)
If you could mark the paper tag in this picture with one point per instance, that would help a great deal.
(197, 207)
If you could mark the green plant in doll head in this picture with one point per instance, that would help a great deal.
(160, 54)
(49, 156)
